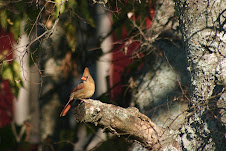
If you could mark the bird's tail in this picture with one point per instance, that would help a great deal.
(67, 107)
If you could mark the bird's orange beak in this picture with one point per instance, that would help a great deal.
(84, 78)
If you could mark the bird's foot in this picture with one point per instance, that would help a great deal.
(83, 100)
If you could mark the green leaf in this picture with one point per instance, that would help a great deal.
(3, 19)
(86, 14)
(70, 31)
(59, 4)
(12, 73)
(15, 28)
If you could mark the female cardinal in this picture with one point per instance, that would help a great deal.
(81, 91)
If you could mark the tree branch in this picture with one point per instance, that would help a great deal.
(127, 122)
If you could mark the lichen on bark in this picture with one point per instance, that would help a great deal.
(201, 26)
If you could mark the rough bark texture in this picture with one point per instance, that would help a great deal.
(161, 86)
(125, 122)
(202, 24)
(163, 21)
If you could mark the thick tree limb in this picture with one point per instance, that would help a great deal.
(127, 122)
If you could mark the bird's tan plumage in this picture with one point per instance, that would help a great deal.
(82, 91)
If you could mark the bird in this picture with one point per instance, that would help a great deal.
(82, 91)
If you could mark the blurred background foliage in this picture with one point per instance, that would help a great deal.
(11, 72)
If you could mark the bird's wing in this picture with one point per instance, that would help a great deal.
(78, 87)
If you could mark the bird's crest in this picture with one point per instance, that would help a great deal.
(86, 72)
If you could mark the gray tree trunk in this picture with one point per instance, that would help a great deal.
(202, 24)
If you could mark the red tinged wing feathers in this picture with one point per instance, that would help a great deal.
(78, 87)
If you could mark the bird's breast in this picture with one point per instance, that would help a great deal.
(91, 90)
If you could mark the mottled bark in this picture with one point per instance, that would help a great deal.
(202, 24)
(125, 122)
